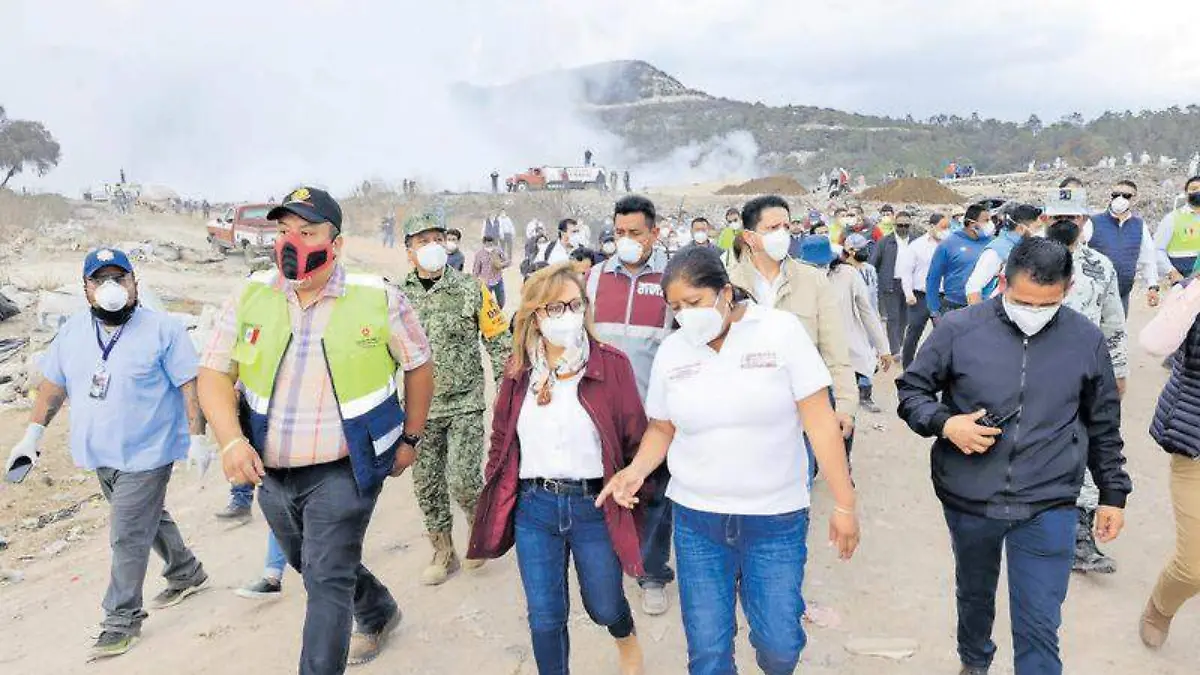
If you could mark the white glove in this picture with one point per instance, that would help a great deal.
(29, 448)
(200, 454)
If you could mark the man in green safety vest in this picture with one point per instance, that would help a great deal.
(1178, 235)
(457, 310)
(299, 385)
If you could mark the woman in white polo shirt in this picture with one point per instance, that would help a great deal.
(739, 470)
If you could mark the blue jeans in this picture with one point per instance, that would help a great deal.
(760, 558)
(276, 560)
(1040, 551)
(241, 495)
(550, 530)
(497, 290)
(656, 538)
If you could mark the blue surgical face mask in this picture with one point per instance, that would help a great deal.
(955, 225)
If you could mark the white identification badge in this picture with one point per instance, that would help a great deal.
(100, 380)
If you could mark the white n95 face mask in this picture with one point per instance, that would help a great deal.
(700, 325)
(111, 296)
(777, 243)
(700, 237)
(432, 257)
(564, 331)
(629, 251)
(1031, 320)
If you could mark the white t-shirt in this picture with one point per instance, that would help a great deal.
(559, 439)
(742, 453)
(767, 292)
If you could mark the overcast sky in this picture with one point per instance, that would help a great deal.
(245, 98)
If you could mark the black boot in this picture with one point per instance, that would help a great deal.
(864, 399)
(1088, 557)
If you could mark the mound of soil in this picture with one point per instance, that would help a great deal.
(912, 191)
(771, 185)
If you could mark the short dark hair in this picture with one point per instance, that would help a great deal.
(1188, 184)
(887, 208)
(752, 211)
(973, 212)
(636, 204)
(700, 219)
(1069, 181)
(583, 253)
(904, 214)
(731, 211)
(488, 239)
(566, 223)
(935, 218)
(700, 267)
(453, 232)
(1044, 261)
(1064, 230)
(1128, 183)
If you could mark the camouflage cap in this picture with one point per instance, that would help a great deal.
(422, 222)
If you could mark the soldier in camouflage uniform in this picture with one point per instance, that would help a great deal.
(456, 312)
(1096, 295)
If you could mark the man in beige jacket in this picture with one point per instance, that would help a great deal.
(763, 267)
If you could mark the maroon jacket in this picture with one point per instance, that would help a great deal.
(609, 394)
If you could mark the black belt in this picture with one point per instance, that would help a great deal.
(564, 486)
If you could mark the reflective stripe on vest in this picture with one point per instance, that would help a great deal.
(1185, 234)
(355, 346)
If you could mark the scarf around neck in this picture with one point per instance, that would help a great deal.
(541, 382)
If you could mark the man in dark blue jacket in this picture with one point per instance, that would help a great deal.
(1020, 395)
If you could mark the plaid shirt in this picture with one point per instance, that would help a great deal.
(485, 270)
(304, 426)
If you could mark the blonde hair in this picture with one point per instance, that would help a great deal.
(542, 287)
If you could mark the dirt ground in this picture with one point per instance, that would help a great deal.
(900, 584)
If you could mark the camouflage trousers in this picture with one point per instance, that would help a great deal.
(1089, 494)
(449, 465)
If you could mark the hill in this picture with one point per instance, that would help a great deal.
(655, 113)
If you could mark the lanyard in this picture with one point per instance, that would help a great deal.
(105, 350)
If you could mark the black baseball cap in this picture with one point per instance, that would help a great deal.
(311, 204)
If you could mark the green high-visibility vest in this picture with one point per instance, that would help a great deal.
(1185, 234)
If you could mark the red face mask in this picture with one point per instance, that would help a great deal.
(298, 260)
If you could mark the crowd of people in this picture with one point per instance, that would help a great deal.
(319, 383)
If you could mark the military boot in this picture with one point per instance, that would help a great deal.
(865, 401)
(1088, 557)
(470, 563)
(445, 560)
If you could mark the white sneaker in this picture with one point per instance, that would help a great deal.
(654, 600)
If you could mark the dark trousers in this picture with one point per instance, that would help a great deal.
(656, 544)
(498, 292)
(918, 316)
(241, 495)
(1040, 552)
(550, 530)
(320, 519)
(895, 314)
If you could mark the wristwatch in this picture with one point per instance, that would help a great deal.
(411, 440)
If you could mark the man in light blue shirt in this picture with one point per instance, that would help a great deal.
(129, 373)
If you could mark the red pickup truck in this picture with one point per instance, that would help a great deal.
(243, 228)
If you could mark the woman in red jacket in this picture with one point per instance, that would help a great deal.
(568, 417)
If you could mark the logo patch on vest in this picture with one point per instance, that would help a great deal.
(646, 288)
(368, 339)
(251, 333)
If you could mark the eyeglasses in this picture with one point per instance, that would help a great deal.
(1126, 195)
(557, 309)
